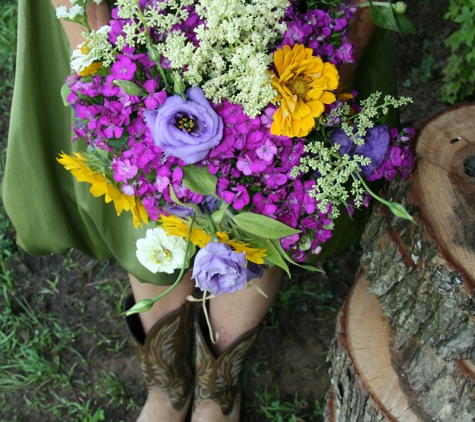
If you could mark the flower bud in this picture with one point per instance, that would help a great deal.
(400, 211)
(142, 306)
(178, 84)
(400, 8)
(154, 54)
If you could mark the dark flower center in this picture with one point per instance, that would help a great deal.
(299, 85)
(189, 124)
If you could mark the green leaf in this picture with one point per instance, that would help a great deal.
(405, 25)
(178, 202)
(273, 254)
(199, 180)
(263, 226)
(384, 18)
(129, 87)
(191, 254)
(65, 91)
(219, 215)
(279, 247)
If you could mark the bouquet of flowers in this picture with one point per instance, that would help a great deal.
(224, 123)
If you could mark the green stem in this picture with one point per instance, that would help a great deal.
(150, 47)
(396, 208)
(214, 238)
(365, 185)
(182, 271)
(375, 3)
(86, 20)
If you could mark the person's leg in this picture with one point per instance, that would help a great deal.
(237, 317)
(172, 301)
(163, 339)
(234, 314)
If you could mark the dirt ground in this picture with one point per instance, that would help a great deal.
(288, 364)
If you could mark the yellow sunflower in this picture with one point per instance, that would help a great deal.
(174, 226)
(303, 82)
(255, 255)
(100, 186)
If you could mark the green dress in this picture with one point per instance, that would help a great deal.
(50, 211)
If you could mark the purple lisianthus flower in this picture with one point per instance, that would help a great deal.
(254, 271)
(219, 269)
(178, 210)
(185, 129)
(375, 147)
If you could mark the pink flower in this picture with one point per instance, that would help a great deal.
(123, 170)
(239, 198)
(267, 151)
(155, 98)
(124, 68)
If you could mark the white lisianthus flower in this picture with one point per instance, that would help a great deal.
(159, 252)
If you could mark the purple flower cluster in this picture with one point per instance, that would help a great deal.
(317, 29)
(398, 156)
(253, 169)
(152, 136)
(383, 147)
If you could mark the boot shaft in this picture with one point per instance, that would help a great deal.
(166, 352)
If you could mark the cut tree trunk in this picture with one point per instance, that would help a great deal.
(405, 343)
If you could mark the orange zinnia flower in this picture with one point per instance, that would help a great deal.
(303, 82)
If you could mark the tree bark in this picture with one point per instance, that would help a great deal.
(423, 277)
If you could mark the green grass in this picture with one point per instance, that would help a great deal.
(44, 367)
(275, 410)
(7, 53)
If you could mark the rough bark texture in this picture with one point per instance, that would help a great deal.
(424, 278)
(365, 386)
(428, 305)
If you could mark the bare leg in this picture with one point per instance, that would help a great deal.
(175, 299)
(235, 314)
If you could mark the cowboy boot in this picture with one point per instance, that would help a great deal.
(218, 390)
(166, 360)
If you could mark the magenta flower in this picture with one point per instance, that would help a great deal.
(267, 151)
(123, 169)
(238, 197)
(124, 68)
(155, 98)
(163, 179)
(265, 205)
(289, 241)
(275, 177)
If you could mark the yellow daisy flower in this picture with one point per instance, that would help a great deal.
(303, 83)
(100, 186)
(91, 69)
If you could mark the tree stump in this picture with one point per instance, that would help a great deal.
(405, 346)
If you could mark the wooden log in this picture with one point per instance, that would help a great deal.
(365, 386)
(424, 279)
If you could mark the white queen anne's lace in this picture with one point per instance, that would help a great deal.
(232, 59)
